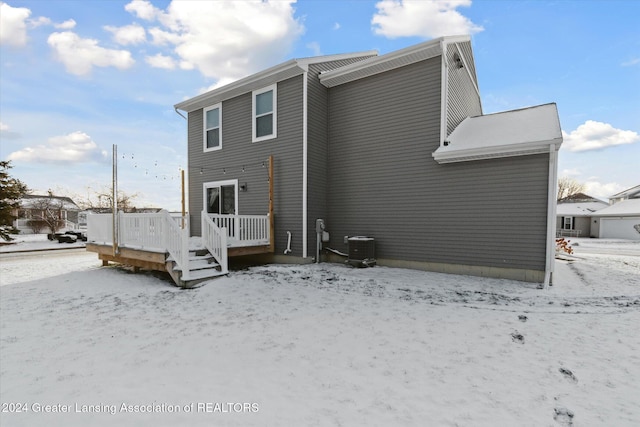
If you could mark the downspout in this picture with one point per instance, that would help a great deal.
(305, 171)
(179, 113)
(444, 91)
(551, 215)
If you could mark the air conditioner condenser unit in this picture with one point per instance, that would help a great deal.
(362, 251)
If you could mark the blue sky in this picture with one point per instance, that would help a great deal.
(77, 77)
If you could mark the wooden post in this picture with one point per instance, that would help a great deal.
(272, 237)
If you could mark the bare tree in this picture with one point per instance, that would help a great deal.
(102, 200)
(50, 211)
(568, 187)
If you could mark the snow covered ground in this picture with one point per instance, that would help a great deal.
(320, 345)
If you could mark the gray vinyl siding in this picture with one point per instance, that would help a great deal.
(462, 98)
(384, 183)
(238, 153)
(317, 128)
(467, 52)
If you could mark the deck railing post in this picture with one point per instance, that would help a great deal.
(185, 253)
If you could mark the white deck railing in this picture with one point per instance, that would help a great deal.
(243, 230)
(144, 231)
(162, 232)
(153, 232)
(561, 232)
(176, 242)
(100, 229)
(214, 238)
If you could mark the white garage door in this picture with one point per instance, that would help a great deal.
(620, 228)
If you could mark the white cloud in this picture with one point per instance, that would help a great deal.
(143, 9)
(336, 26)
(161, 61)
(425, 18)
(128, 34)
(6, 133)
(66, 25)
(631, 62)
(570, 172)
(39, 21)
(223, 39)
(80, 55)
(13, 25)
(216, 85)
(315, 48)
(592, 135)
(602, 190)
(76, 147)
(163, 38)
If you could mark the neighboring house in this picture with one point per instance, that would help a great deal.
(631, 193)
(393, 147)
(618, 221)
(575, 215)
(35, 208)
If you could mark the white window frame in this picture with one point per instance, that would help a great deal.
(205, 129)
(220, 184)
(569, 223)
(274, 112)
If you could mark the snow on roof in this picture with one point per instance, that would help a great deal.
(580, 209)
(32, 201)
(630, 207)
(511, 133)
(580, 197)
(628, 193)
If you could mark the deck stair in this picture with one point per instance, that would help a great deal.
(202, 267)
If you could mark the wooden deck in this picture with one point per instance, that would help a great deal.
(153, 260)
(136, 258)
(160, 261)
(161, 242)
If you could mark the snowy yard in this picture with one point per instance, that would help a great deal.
(320, 345)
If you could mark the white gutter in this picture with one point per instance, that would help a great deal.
(179, 113)
(551, 215)
(305, 168)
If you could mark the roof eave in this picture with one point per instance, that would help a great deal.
(445, 155)
(272, 75)
(389, 61)
(252, 82)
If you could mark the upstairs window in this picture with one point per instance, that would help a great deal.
(264, 113)
(213, 128)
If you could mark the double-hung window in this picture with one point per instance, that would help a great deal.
(264, 113)
(567, 223)
(213, 128)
